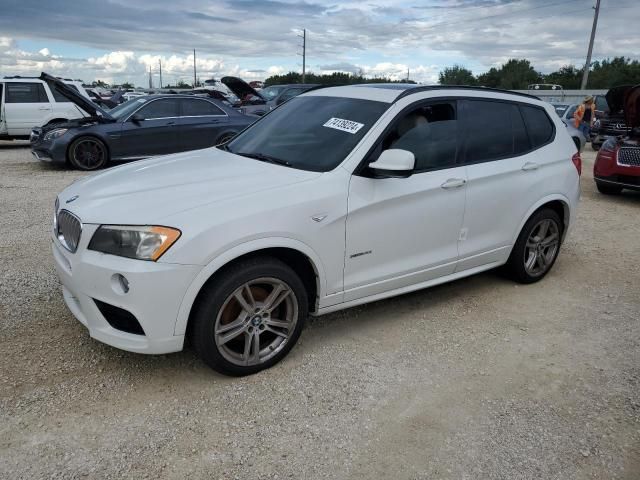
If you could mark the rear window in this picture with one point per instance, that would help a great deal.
(539, 125)
(27, 92)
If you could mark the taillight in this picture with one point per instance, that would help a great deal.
(577, 161)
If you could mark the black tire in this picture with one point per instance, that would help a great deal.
(577, 143)
(216, 300)
(225, 137)
(88, 153)
(607, 189)
(595, 146)
(522, 251)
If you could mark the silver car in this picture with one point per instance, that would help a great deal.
(565, 112)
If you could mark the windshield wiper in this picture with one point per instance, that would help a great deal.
(265, 158)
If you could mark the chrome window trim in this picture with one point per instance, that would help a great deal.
(144, 105)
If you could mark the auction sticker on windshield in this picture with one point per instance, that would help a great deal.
(343, 125)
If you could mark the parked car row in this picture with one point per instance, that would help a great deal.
(142, 127)
(339, 197)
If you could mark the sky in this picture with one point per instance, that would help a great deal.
(119, 40)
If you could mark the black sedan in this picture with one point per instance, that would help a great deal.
(142, 127)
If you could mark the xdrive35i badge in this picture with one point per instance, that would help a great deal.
(75, 197)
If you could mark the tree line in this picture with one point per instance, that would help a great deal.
(517, 74)
(336, 78)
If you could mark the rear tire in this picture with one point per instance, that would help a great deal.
(249, 317)
(88, 153)
(608, 189)
(537, 247)
(225, 137)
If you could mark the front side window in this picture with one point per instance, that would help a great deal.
(164, 108)
(430, 132)
(539, 125)
(18, 92)
(199, 108)
(313, 133)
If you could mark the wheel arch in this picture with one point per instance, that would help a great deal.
(295, 254)
(558, 203)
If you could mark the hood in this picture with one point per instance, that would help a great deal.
(84, 103)
(632, 107)
(239, 87)
(615, 98)
(148, 191)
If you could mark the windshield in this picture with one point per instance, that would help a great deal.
(270, 93)
(313, 133)
(123, 110)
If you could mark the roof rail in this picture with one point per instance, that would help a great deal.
(417, 89)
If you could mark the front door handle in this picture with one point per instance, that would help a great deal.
(45, 108)
(453, 183)
(530, 166)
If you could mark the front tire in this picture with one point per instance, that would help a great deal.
(537, 247)
(249, 317)
(608, 189)
(88, 153)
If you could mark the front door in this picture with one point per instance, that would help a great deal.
(155, 134)
(404, 231)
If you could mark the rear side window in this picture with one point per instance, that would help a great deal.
(292, 92)
(61, 98)
(539, 125)
(494, 130)
(199, 108)
(19, 92)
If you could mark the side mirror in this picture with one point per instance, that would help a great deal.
(136, 118)
(394, 163)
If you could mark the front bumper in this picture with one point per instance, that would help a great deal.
(54, 151)
(624, 181)
(155, 293)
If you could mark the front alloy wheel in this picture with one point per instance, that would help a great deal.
(88, 153)
(249, 316)
(256, 321)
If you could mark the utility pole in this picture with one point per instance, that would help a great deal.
(194, 68)
(160, 62)
(150, 78)
(304, 52)
(407, 74)
(585, 74)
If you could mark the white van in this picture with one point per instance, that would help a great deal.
(27, 102)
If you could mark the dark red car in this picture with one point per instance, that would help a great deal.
(618, 162)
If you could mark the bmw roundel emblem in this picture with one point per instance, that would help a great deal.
(75, 197)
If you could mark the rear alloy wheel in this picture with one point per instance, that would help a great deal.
(607, 189)
(537, 247)
(88, 153)
(250, 317)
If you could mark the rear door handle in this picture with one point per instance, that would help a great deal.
(530, 166)
(453, 183)
(44, 108)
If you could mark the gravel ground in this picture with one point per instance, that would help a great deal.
(477, 379)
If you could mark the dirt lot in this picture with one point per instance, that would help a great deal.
(478, 379)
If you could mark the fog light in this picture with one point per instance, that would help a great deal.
(119, 284)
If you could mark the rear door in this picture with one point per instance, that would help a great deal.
(26, 106)
(201, 123)
(505, 175)
(156, 134)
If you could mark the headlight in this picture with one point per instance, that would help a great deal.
(55, 133)
(142, 243)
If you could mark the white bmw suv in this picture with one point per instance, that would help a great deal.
(339, 197)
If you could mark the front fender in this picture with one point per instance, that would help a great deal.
(237, 251)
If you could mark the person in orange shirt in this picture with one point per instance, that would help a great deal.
(585, 115)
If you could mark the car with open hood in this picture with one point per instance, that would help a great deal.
(612, 122)
(339, 197)
(142, 127)
(251, 100)
(617, 165)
